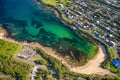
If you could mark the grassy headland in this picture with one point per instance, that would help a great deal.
(15, 69)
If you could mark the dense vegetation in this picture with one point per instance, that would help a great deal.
(8, 65)
(43, 73)
(39, 60)
(54, 63)
(8, 48)
(6, 78)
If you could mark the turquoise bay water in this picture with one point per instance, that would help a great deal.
(26, 20)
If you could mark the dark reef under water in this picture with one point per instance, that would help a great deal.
(25, 20)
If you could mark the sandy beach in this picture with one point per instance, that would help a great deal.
(94, 65)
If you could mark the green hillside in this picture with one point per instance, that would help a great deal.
(10, 67)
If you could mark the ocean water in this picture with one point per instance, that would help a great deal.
(26, 20)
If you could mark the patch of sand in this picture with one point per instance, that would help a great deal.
(1, 35)
(2, 32)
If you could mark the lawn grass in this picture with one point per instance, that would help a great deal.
(56, 2)
(65, 18)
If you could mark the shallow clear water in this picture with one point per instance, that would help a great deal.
(25, 20)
